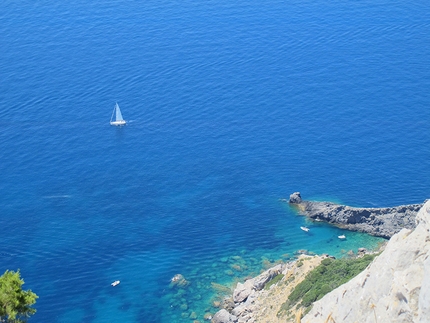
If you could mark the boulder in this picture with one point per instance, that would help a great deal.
(179, 280)
(223, 316)
(261, 280)
(295, 198)
(240, 310)
(362, 251)
(242, 291)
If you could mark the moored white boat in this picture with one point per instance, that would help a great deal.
(342, 237)
(305, 229)
(116, 282)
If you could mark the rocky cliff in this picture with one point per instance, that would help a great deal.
(382, 222)
(395, 287)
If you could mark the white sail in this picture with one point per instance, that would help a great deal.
(118, 113)
(119, 121)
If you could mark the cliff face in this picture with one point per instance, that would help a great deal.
(382, 222)
(394, 288)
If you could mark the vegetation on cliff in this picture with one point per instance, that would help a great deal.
(329, 275)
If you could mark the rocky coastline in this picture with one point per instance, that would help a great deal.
(257, 299)
(395, 287)
(253, 302)
(381, 222)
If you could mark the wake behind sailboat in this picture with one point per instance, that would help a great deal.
(118, 120)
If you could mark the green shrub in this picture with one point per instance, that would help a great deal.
(15, 303)
(275, 279)
(326, 261)
(329, 275)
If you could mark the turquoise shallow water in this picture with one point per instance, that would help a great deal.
(231, 107)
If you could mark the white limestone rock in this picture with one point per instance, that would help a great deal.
(223, 316)
(242, 291)
(261, 280)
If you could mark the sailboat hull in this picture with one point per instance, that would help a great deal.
(118, 123)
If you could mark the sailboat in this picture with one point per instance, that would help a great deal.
(118, 121)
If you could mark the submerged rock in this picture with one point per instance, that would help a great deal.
(179, 280)
(221, 288)
(207, 316)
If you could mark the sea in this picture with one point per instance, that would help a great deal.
(231, 107)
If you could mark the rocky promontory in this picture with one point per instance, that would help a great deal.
(382, 222)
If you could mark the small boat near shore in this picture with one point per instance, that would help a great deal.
(342, 237)
(116, 282)
(306, 229)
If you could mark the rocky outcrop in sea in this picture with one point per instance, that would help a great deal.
(382, 222)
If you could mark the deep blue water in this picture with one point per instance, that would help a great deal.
(231, 107)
